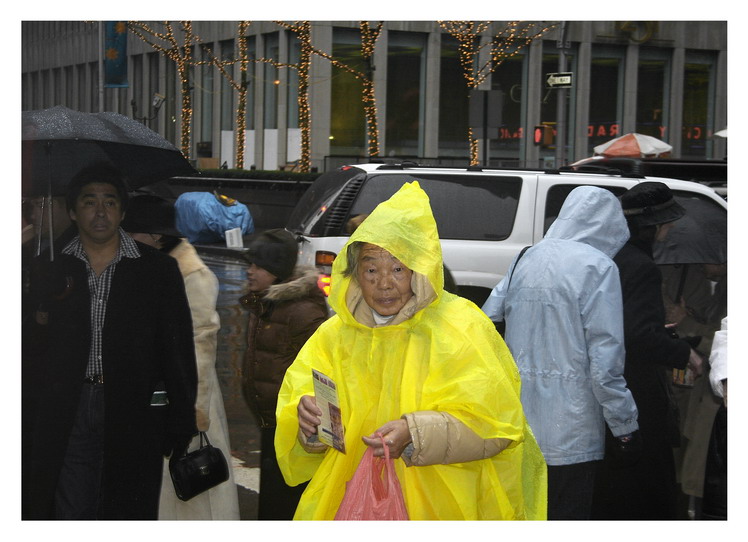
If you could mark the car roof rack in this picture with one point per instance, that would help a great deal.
(596, 168)
(600, 169)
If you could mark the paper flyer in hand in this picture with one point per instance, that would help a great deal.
(330, 431)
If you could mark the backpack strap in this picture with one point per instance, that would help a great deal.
(522, 252)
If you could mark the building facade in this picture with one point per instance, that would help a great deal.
(667, 79)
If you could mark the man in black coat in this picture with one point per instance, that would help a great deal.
(647, 489)
(114, 331)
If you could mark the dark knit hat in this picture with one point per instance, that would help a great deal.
(275, 251)
(650, 203)
(151, 214)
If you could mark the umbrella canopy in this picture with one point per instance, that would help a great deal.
(59, 142)
(721, 133)
(699, 237)
(633, 145)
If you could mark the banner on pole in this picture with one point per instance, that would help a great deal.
(115, 54)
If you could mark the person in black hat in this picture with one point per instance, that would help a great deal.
(152, 220)
(647, 490)
(285, 306)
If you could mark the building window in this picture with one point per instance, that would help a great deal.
(173, 103)
(206, 107)
(80, 70)
(507, 77)
(652, 87)
(93, 87)
(347, 122)
(227, 91)
(605, 97)
(153, 89)
(251, 81)
(294, 56)
(69, 84)
(405, 80)
(43, 81)
(698, 103)
(453, 102)
(136, 62)
(271, 82)
(57, 86)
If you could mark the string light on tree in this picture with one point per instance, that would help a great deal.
(504, 44)
(241, 86)
(369, 38)
(181, 54)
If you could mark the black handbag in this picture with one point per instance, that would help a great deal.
(198, 471)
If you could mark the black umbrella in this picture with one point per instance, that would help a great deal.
(59, 142)
(699, 237)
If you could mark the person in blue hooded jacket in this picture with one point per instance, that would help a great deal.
(562, 305)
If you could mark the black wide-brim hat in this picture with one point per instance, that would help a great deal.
(151, 214)
(650, 203)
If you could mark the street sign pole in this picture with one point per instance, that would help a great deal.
(485, 129)
(561, 97)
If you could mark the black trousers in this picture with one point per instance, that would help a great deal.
(570, 490)
(277, 500)
(78, 487)
(714, 503)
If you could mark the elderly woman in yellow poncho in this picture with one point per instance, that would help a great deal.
(421, 366)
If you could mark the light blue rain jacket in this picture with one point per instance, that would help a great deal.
(564, 327)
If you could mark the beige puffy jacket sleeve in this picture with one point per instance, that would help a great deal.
(440, 438)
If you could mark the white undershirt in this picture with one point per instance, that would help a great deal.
(381, 320)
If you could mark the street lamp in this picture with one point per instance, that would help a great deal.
(158, 101)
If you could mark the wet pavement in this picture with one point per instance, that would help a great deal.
(244, 432)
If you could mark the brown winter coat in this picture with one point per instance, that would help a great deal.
(280, 322)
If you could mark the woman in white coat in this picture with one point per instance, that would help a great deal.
(151, 220)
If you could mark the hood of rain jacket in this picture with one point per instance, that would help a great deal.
(445, 355)
(564, 326)
(591, 216)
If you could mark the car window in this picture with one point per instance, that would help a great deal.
(479, 207)
(313, 202)
(557, 195)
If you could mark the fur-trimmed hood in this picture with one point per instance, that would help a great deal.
(302, 283)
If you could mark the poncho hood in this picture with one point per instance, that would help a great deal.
(593, 216)
(404, 226)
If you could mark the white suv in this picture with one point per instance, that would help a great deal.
(484, 216)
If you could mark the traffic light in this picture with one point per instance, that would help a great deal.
(543, 135)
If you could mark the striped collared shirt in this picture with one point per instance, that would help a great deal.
(98, 288)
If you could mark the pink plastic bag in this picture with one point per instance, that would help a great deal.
(369, 495)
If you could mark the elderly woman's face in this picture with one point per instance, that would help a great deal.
(384, 280)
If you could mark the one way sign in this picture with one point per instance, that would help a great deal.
(559, 80)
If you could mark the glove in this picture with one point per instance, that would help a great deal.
(625, 450)
(175, 445)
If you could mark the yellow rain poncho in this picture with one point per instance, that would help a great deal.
(447, 357)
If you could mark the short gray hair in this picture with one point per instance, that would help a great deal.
(352, 253)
